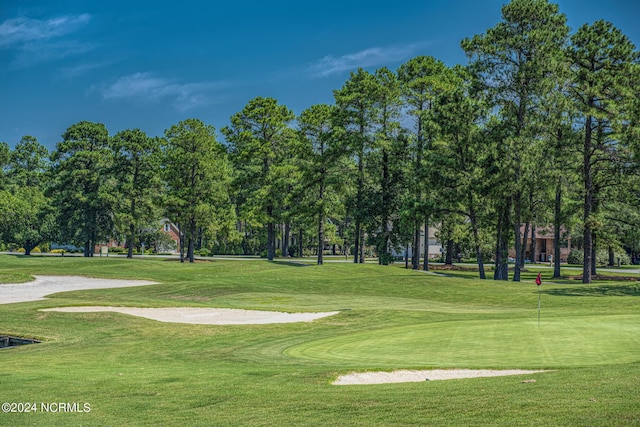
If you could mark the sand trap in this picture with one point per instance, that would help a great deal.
(204, 316)
(406, 376)
(47, 285)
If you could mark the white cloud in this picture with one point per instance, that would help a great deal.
(34, 53)
(78, 70)
(143, 87)
(375, 56)
(22, 30)
(36, 40)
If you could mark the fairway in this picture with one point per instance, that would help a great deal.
(518, 343)
(134, 371)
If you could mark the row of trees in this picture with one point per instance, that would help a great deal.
(541, 128)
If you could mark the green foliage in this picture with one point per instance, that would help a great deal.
(26, 217)
(476, 151)
(5, 155)
(261, 148)
(576, 256)
(29, 161)
(203, 252)
(83, 191)
(136, 167)
(197, 174)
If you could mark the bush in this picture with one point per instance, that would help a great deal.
(57, 251)
(203, 252)
(602, 257)
(575, 257)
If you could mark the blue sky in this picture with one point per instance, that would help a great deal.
(149, 64)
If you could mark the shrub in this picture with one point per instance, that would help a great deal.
(203, 252)
(575, 257)
(602, 257)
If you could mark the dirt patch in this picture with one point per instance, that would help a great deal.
(406, 376)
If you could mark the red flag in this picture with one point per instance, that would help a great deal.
(539, 280)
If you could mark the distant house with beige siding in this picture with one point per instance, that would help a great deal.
(544, 246)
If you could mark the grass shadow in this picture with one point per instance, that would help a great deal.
(596, 291)
(291, 263)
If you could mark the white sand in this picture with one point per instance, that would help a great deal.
(203, 316)
(47, 285)
(406, 376)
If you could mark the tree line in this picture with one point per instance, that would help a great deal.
(539, 129)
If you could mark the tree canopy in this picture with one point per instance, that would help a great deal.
(539, 131)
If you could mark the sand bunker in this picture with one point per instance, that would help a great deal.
(407, 376)
(47, 285)
(204, 316)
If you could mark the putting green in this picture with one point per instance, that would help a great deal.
(557, 342)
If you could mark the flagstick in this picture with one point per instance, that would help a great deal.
(538, 306)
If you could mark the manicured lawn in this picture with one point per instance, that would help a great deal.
(135, 371)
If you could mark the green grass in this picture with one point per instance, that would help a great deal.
(135, 371)
(10, 277)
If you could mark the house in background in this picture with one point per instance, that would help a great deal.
(171, 230)
(544, 246)
(435, 246)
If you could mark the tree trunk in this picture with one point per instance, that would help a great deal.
(199, 238)
(181, 241)
(271, 237)
(130, 241)
(594, 246)
(415, 254)
(449, 254)
(534, 245)
(285, 239)
(271, 234)
(518, 236)
(588, 203)
(356, 243)
(523, 251)
(361, 245)
(27, 248)
(612, 261)
(300, 244)
(557, 219)
(425, 262)
(383, 255)
(476, 237)
(321, 237)
(502, 245)
(192, 240)
(406, 256)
